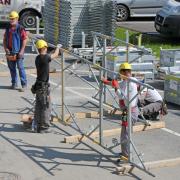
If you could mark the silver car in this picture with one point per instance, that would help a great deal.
(138, 8)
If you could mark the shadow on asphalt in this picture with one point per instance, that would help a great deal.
(50, 158)
(5, 87)
(172, 106)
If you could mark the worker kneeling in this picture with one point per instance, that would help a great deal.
(151, 104)
(42, 87)
(121, 89)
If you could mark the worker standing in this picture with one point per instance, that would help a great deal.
(14, 42)
(42, 87)
(121, 89)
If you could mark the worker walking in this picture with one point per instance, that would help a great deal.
(42, 87)
(121, 89)
(14, 42)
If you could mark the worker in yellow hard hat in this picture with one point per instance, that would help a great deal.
(14, 42)
(41, 87)
(122, 93)
(13, 15)
(40, 44)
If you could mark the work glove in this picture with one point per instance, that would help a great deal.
(115, 84)
(20, 55)
(7, 51)
(59, 46)
(105, 81)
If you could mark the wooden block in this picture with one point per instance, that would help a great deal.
(26, 118)
(56, 119)
(126, 168)
(4, 74)
(117, 131)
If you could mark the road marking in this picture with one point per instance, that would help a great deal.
(68, 89)
(27, 54)
(171, 132)
(3, 63)
(75, 92)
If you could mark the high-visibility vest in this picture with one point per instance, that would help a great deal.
(16, 38)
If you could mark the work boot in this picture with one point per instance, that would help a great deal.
(122, 158)
(23, 88)
(13, 86)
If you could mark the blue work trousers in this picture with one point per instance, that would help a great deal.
(22, 74)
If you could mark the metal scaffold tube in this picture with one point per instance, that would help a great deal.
(102, 95)
(63, 87)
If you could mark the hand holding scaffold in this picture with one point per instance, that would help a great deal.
(123, 92)
(114, 83)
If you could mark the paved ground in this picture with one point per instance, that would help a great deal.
(139, 26)
(29, 156)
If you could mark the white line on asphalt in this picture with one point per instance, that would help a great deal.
(72, 91)
(171, 132)
(27, 54)
(68, 89)
(75, 92)
(3, 63)
(81, 88)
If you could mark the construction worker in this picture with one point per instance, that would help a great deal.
(14, 43)
(151, 104)
(41, 87)
(122, 92)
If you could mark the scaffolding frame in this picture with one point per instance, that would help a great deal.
(102, 96)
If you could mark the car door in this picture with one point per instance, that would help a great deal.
(146, 7)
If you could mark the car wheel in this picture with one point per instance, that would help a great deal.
(122, 13)
(28, 19)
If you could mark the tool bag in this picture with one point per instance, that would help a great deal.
(42, 90)
(11, 57)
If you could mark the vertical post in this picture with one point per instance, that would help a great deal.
(127, 46)
(101, 109)
(83, 40)
(62, 85)
(37, 25)
(94, 48)
(129, 123)
(139, 40)
(104, 65)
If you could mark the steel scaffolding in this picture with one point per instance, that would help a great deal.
(102, 91)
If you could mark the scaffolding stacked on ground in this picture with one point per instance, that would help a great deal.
(65, 20)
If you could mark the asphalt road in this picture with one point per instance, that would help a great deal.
(31, 156)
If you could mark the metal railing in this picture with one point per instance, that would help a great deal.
(101, 88)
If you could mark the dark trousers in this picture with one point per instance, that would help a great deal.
(151, 107)
(42, 109)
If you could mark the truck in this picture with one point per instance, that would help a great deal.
(168, 18)
(28, 11)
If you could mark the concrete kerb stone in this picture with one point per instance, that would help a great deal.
(127, 168)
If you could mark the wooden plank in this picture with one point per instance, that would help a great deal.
(117, 131)
(126, 168)
(7, 73)
(26, 118)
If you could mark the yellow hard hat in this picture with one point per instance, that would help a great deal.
(13, 15)
(41, 44)
(125, 66)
